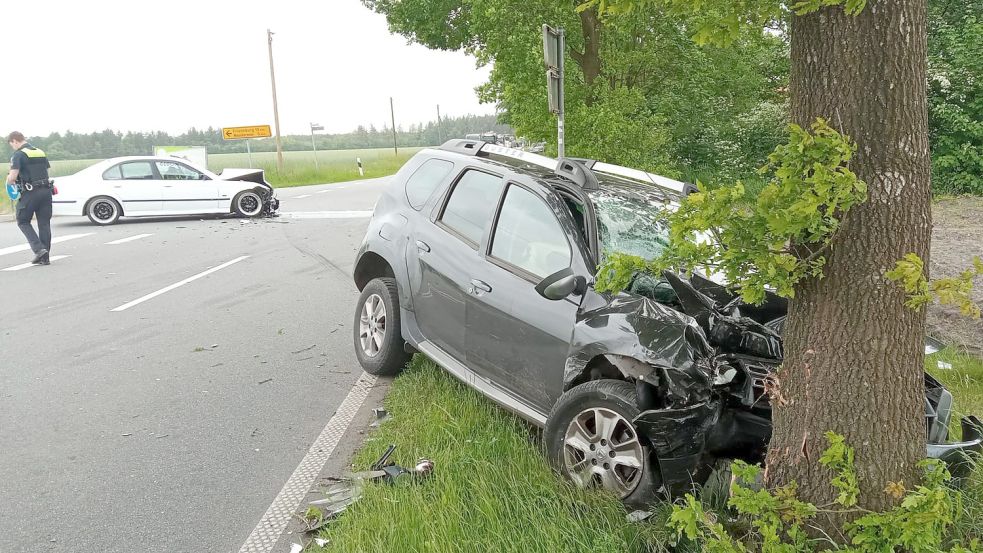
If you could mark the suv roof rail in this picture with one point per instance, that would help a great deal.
(658, 180)
(463, 146)
(528, 157)
(477, 147)
(576, 171)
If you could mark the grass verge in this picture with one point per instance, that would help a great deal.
(491, 490)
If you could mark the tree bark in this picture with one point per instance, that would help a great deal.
(590, 59)
(853, 351)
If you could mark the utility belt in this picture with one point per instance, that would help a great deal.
(28, 186)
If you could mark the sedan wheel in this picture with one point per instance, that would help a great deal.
(103, 211)
(248, 204)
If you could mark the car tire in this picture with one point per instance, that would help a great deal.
(247, 203)
(103, 210)
(378, 338)
(604, 457)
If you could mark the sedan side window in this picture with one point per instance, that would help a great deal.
(113, 173)
(172, 170)
(137, 170)
(528, 236)
(472, 204)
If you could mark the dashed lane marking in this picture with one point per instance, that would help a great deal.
(29, 264)
(326, 214)
(128, 239)
(166, 289)
(302, 196)
(55, 240)
(325, 191)
(266, 534)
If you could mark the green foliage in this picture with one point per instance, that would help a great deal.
(772, 240)
(655, 100)
(839, 458)
(720, 22)
(909, 273)
(778, 520)
(955, 95)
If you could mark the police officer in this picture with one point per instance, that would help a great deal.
(29, 173)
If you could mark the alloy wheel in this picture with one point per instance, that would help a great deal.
(372, 325)
(601, 448)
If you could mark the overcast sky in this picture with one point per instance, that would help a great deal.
(172, 64)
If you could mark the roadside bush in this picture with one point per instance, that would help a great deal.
(931, 517)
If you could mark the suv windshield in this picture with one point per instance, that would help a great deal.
(630, 224)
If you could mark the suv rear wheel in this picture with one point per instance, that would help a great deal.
(591, 440)
(378, 339)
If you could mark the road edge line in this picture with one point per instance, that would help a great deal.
(267, 532)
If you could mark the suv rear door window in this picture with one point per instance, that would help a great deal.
(528, 235)
(424, 181)
(472, 204)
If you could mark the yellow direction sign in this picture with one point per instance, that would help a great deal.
(239, 133)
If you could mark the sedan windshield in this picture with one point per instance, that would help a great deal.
(630, 224)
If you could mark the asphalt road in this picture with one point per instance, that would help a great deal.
(172, 423)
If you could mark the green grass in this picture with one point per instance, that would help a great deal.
(491, 490)
(333, 165)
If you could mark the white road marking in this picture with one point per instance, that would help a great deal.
(264, 537)
(166, 289)
(325, 191)
(130, 239)
(327, 214)
(29, 264)
(55, 240)
(302, 196)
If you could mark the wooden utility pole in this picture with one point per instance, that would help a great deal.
(276, 110)
(392, 113)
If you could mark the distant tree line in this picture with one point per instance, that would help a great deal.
(110, 143)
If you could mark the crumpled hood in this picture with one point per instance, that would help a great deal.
(640, 328)
(252, 175)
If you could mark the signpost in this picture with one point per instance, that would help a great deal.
(245, 133)
(553, 49)
(315, 127)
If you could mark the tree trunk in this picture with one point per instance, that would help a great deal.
(853, 351)
(590, 59)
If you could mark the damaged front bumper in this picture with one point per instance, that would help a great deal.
(687, 441)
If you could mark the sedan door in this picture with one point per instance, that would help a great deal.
(515, 334)
(446, 255)
(135, 183)
(186, 190)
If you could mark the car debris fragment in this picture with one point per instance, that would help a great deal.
(346, 491)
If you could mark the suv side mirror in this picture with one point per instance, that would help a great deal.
(561, 284)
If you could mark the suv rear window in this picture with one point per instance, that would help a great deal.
(472, 204)
(424, 181)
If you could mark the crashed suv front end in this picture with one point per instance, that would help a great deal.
(702, 368)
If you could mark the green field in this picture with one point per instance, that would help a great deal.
(298, 167)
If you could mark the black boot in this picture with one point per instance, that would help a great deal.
(40, 257)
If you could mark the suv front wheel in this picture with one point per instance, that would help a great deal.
(591, 440)
(378, 338)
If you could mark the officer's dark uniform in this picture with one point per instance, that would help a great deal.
(35, 195)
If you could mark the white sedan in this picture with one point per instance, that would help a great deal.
(149, 186)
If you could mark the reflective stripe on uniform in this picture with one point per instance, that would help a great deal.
(36, 152)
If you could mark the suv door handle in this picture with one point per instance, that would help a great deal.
(479, 285)
(422, 246)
